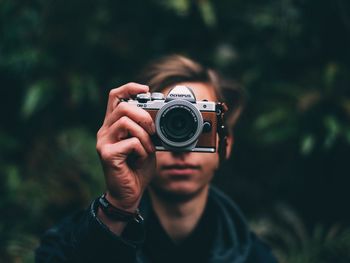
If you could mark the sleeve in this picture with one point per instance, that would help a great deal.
(84, 238)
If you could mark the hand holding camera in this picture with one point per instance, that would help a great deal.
(125, 147)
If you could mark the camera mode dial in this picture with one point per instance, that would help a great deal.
(143, 97)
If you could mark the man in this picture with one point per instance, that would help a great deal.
(185, 219)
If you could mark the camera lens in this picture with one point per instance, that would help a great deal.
(179, 124)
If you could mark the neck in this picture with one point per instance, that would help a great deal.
(179, 217)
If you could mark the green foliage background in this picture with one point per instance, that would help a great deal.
(58, 60)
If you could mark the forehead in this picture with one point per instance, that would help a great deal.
(202, 91)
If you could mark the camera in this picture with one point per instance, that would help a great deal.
(182, 123)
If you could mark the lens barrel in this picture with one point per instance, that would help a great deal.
(179, 124)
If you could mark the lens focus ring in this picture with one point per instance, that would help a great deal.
(179, 124)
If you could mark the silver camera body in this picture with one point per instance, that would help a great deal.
(182, 123)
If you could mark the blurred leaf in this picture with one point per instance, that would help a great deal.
(262, 17)
(37, 97)
(268, 119)
(308, 100)
(13, 180)
(207, 12)
(331, 71)
(276, 134)
(181, 7)
(225, 54)
(307, 144)
(333, 128)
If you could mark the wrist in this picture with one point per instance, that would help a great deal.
(116, 214)
(128, 206)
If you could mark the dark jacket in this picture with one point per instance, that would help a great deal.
(222, 235)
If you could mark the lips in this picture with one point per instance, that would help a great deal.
(180, 169)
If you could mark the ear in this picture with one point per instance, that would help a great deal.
(229, 144)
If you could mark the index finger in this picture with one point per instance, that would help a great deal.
(124, 92)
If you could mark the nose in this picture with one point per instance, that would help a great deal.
(180, 155)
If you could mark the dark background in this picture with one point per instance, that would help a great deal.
(289, 170)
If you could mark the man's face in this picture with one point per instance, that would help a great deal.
(186, 173)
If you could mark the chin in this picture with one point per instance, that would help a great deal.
(177, 192)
